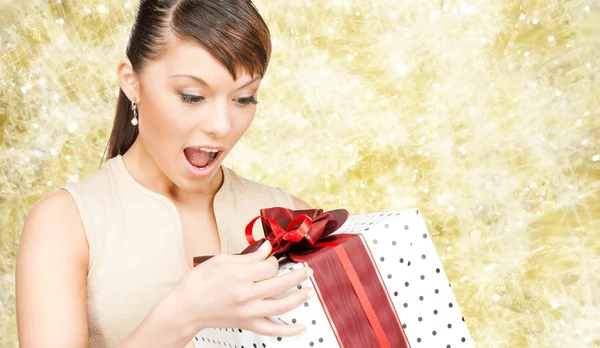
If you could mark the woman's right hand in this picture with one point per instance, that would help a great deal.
(237, 291)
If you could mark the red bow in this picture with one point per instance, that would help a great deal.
(299, 229)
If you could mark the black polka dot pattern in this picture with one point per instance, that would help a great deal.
(412, 273)
(415, 281)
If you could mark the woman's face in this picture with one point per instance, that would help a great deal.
(192, 113)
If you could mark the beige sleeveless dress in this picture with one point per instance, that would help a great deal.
(136, 246)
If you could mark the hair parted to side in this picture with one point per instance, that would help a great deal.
(233, 31)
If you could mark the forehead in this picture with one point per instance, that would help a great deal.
(188, 57)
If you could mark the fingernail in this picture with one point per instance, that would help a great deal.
(264, 245)
(309, 273)
(311, 293)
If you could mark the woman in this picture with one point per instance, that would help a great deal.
(107, 261)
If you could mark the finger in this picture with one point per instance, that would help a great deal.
(263, 270)
(261, 254)
(280, 284)
(277, 306)
(265, 327)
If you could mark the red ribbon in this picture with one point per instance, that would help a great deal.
(282, 240)
(363, 298)
(306, 229)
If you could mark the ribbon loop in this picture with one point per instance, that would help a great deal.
(286, 229)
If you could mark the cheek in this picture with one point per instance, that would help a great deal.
(242, 121)
(160, 126)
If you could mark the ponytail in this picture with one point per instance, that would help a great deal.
(123, 132)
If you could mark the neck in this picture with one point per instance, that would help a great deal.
(147, 173)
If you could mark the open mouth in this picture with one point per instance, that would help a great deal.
(201, 158)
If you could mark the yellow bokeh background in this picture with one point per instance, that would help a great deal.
(483, 114)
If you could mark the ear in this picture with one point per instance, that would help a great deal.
(128, 80)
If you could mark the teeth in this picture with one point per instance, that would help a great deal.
(209, 150)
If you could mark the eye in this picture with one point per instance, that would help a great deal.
(191, 99)
(247, 100)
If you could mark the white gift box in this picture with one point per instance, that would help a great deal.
(412, 274)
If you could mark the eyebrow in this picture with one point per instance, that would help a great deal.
(202, 82)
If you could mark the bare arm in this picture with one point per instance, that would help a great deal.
(51, 284)
(51, 275)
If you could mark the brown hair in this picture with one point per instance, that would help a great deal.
(233, 31)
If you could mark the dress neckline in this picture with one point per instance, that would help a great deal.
(122, 169)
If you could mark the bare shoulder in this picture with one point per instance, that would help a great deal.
(51, 274)
(58, 205)
(300, 204)
(54, 216)
(53, 226)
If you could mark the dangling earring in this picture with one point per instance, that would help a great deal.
(134, 120)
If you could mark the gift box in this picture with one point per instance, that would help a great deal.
(378, 279)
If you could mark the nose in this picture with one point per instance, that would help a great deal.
(217, 122)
